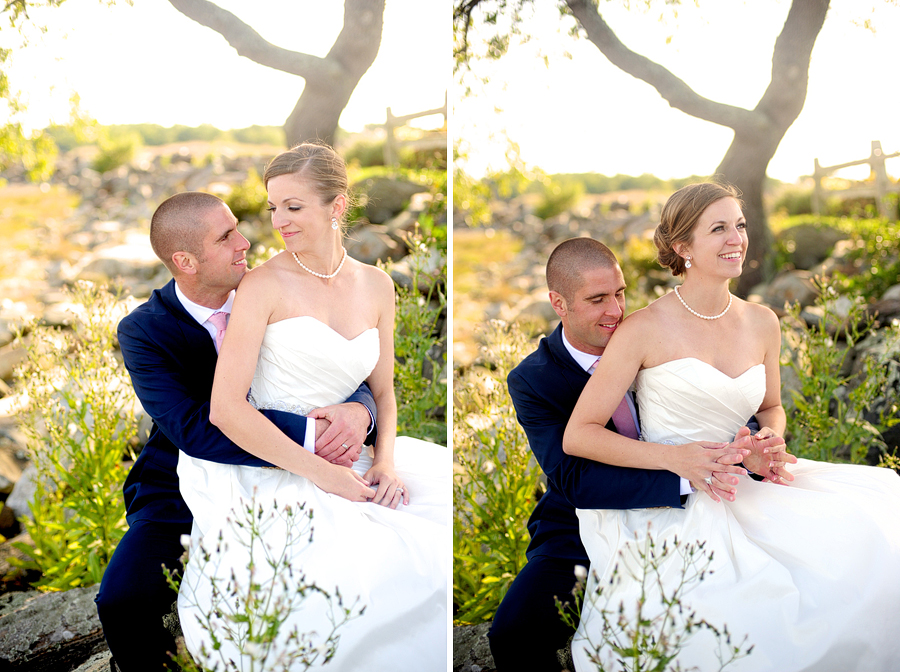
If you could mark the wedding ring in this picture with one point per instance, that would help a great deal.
(345, 446)
(400, 490)
(708, 481)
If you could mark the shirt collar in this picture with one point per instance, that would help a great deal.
(202, 313)
(583, 359)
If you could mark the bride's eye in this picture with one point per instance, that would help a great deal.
(270, 208)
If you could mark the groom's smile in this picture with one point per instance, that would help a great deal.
(594, 310)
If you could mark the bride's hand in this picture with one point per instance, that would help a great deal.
(768, 455)
(700, 461)
(346, 483)
(390, 488)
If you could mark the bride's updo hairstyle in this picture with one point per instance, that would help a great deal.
(318, 163)
(680, 215)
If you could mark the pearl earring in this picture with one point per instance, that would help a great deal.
(334, 224)
(687, 261)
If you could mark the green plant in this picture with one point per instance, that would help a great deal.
(649, 635)
(497, 483)
(420, 377)
(248, 199)
(876, 253)
(79, 422)
(116, 149)
(558, 197)
(249, 616)
(826, 416)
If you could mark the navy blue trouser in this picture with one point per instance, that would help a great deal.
(527, 629)
(134, 595)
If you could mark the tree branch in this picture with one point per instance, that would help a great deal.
(678, 94)
(250, 44)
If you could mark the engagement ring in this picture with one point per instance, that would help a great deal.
(708, 480)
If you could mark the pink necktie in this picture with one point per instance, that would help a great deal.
(219, 321)
(621, 417)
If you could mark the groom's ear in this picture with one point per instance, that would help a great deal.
(185, 262)
(558, 301)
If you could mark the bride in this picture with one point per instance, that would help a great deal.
(805, 564)
(307, 328)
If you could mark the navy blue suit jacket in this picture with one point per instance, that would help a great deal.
(172, 361)
(545, 388)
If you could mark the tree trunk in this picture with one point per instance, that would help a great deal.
(316, 115)
(330, 81)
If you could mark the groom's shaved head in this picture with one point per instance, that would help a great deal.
(178, 225)
(569, 261)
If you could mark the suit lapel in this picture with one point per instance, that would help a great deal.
(569, 368)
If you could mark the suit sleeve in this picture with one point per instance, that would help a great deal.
(180, 406)
(584, 483)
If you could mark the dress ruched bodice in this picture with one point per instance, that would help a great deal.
(686, 400)
(304, 364)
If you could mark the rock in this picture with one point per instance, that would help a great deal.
(384, 197)
(810, 243)
(892, 294)
(13, 578)
(6, 332)
(99, 662)
(792, 287)
(23, 493)
(369, 244)
(11, 356)
(471, 649)
(133, 260)
(43, 632)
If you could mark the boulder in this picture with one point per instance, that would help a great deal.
(472, 650)
(44, 632)
(792, 287)
(810, 244)
(384, 197)
(369, 244)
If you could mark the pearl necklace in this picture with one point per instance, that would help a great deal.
(705, 317)
(322, 275)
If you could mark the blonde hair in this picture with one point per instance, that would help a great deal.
(318, 163)
(679, 218)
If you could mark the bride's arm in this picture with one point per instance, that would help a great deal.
(232, 413)
(770, 416)
(381, 382)
(586, 434)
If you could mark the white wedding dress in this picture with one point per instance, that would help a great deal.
(810, 572)
(395, 562)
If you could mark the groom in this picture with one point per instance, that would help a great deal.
(587, 291)
(170, 347)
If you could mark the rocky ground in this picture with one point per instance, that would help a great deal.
(99, 232)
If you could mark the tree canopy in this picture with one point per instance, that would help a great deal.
(757, 131)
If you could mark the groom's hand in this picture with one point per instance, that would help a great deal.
(345, 429)
(768, 454)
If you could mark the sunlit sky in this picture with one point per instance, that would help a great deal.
(584, 114)
(148, 63)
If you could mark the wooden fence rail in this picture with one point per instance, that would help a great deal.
(392, 144)
(879, 190)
